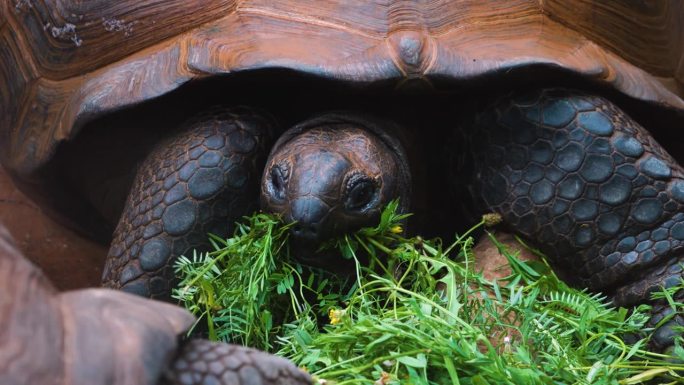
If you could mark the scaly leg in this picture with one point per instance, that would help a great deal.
(197, 182)
(590, 186)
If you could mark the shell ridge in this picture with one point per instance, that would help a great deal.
(304, 19)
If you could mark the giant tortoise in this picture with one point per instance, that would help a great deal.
(131, 116)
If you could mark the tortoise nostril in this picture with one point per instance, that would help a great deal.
(309, 230)
(309, 215)
(297, 229)
(306, 232)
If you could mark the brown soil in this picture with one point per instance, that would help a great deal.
(493, 264)
(68, 259)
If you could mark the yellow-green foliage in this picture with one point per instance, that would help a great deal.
(416, 314)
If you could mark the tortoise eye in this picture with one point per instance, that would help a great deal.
(278, 180)
(361, 192)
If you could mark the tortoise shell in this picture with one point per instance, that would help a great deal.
(64, 63)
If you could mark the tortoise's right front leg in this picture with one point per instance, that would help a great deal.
(197, 182)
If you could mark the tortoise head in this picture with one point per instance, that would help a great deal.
(334, 174)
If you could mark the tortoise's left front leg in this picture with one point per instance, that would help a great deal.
(197, 182)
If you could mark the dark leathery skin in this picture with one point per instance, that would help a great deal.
(313, 171)
(199, 181)
(588, 185)
(318, 164)
(202, 362)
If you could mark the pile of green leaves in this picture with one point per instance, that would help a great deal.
(416, 313)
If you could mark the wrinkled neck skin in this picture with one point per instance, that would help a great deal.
(332, 176)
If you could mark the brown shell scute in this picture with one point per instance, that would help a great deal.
(17, 76)
(611, 24)
(71, 38)
(65, 63)
(4, 11)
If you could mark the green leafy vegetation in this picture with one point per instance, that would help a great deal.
(415, 313)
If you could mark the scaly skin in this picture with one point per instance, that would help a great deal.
(202, 362)
(588, 185)
(199, 181)
(333, 174)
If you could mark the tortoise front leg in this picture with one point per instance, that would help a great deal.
(197, 182)
(589, 186)
(202, 362)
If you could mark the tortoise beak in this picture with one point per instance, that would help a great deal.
(310, 214)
